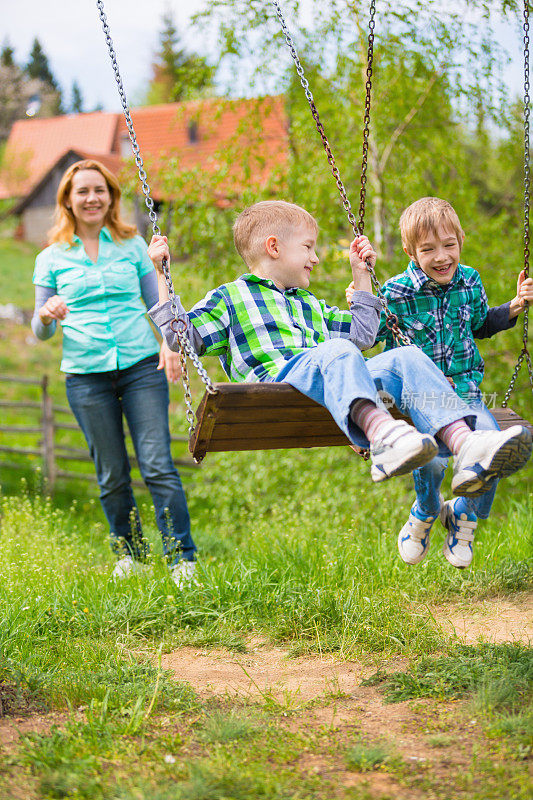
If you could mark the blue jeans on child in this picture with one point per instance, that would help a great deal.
(428, 479)
(335, 374)
(140, 393)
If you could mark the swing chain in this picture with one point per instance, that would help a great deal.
(392, 319)
(366, 119)
(185, 346)
(524, 353)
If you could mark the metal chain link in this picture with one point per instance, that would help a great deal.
(186, 349)
(366, 118)
(391, 319)
(524, 353)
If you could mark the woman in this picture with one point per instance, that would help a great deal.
(96, 279)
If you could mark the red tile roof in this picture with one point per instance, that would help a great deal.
(34, 145)
(165, 138)
(257, 126)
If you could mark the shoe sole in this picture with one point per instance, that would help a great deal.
(509, 458)
(427, 450)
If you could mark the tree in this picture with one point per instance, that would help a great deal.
(76, 103)
(7, 56)
(177, 74)
(38, 69)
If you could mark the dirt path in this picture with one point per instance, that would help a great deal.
(496, 620)
(263, 669)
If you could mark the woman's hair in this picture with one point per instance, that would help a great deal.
(64, 226)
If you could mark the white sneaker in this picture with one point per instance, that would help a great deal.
(400, 449)
(184, 574)
(489, 455)
(458, 544)
(413, 539)
(126, 566)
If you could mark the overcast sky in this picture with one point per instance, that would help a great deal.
(71, 35)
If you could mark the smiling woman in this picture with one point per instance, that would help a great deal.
(96, 280)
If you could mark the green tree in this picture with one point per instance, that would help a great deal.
(7, 56)
(45, 85)
(177, 74)
(76, 102)
(38, 66)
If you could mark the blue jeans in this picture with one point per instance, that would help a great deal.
(140, 393)
(428, 479)
(335, 374)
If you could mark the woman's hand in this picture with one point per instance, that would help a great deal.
(170, 362)
(158, 250)
(54, 308)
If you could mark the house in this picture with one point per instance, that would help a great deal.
(195, 138)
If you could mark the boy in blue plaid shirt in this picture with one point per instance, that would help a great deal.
(442, 306)
(267, 326)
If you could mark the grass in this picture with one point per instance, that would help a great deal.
(297, 548)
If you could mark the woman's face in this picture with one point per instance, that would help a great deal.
(89, 198)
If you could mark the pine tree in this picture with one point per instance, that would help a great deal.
(43, 82)
(177, 74)
(76, 103)
(38, 66)
(7, 56)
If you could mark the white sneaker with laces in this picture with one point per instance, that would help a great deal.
(400, 449)
(126, 566)
(489, 455)
(413, 539)
(184, 574)
(458, 544)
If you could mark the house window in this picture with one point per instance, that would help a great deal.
(125, 146)
(193, 132)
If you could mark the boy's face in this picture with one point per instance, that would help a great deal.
(292, 258)
(437, 254)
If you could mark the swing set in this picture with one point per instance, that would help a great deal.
(267, 416)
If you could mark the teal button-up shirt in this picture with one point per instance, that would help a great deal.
(106, 327)
(441, 321)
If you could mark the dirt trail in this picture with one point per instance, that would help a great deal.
(496, 620)
(264, 669)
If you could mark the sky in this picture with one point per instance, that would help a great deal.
(71, 35)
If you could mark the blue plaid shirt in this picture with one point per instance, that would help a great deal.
(441, 321)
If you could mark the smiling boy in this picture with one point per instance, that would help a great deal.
(442, 306)
(267, 326)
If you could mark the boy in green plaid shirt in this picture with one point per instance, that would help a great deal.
(267, 326)
(442, 306)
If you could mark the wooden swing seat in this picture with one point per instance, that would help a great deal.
(272, 416)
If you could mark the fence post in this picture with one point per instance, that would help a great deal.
(49, 464)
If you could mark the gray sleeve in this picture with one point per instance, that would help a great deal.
(497, 320)
(161, 315)
(366, 310)
(149, 290)
(42, 294)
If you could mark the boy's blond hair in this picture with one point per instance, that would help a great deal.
(267, 218)
(423, 217)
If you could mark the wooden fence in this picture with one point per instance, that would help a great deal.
(51, 453)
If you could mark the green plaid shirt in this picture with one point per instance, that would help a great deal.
(255, 328)
(441, 322)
